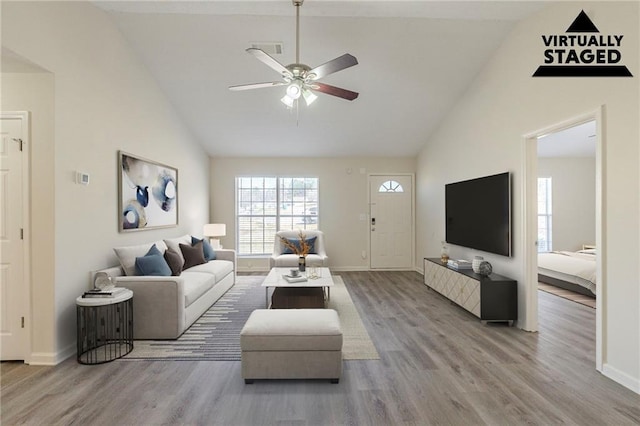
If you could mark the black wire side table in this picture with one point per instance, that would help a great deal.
(105, 327)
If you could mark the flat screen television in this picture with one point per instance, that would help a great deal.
(478, 213)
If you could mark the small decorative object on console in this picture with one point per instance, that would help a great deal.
(485, 269)
(459, 264)
(444, 253)
(475, 265)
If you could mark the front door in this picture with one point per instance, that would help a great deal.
(13, 294)
(391, 221)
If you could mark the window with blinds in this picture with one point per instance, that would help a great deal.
(544, 215)
(267, 204)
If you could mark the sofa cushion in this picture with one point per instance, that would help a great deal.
(291, 260)
(195, 285)
(193, 254)
(209, 253)
(127, 255)
(174, 243)
(218, 268)
(174, 260)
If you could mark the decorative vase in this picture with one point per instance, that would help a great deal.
(103, 282)
(475, 265)
(444, 254)
(302, 263)
(485, 269)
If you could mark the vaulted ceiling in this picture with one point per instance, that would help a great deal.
(416, 59)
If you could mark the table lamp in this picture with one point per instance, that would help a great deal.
(213, 231)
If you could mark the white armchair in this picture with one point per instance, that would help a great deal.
(317, 258)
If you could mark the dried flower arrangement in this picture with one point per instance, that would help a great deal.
(301, 249)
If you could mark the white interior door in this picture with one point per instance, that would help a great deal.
(13, 293)
(391, 221)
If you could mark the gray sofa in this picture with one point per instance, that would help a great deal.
(164, 307)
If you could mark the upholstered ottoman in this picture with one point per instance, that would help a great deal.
(292, 344)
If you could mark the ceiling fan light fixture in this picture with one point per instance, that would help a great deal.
(287, 101)
(309, 97)
(294, 90)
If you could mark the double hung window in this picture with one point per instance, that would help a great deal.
(266, 204)
(544, 215)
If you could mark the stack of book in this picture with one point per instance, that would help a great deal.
(103, 293)
(297, 279)
(459, 264)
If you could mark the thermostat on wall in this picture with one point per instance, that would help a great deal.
(82, 178)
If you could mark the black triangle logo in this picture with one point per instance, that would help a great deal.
(582, 24)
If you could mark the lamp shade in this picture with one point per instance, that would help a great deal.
(215, 230)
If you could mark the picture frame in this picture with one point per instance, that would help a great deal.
(147, 194)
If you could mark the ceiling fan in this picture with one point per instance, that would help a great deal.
(301, 79)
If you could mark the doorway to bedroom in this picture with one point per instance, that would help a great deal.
(566, 213)
(554, 236)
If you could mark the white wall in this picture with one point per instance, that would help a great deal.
(483, 134)
(573, 200)
(104, 100)
(343, 198)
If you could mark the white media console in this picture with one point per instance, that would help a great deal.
(490, 298)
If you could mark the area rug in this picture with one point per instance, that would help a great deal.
(568, 294)
(215, 336)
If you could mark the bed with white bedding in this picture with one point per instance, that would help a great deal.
(574, 271)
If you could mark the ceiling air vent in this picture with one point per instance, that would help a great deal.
(269, 47)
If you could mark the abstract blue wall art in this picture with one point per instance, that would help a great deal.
(148, 194)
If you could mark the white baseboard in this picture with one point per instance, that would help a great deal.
(52, 358)
(632, 383)
(43, 358)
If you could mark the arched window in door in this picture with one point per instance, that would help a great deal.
(390, 186)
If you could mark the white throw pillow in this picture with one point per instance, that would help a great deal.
(174, 243)
(127, 255)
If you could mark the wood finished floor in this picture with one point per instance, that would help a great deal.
(438, 365)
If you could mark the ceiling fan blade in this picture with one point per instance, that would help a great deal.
(256, 85)
(269, 61)
(334, 91)
(334, 65)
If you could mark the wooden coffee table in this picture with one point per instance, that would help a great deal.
(301, 294)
